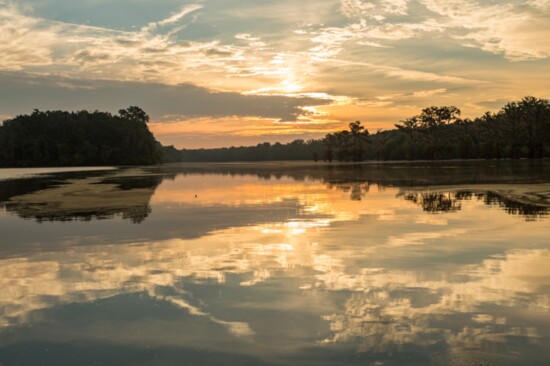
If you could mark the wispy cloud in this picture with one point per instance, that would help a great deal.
(19, 46)
(516, 31)
(429, 93)
(176, 17)
(344, 53)
(20, 93)
(408, 74)
(376, 9)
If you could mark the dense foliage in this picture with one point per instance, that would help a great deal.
(519, 130)
(58, 138)
(55, 138)
(295, 150)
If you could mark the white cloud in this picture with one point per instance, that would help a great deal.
(519, 33)
(372, 9)
(395, 6)
(178, 16)
(252, 41)
(408, 74)
(372, 44)
(355, 8)
(429, 93)
(18, 46)
(393, 46)
(539, 4)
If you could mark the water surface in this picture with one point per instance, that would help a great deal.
(277, 264)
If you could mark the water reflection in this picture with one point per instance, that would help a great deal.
(512, 200)
(82, 196)
(127, 192)
(434, 202)
(332, 268)
(392, 308)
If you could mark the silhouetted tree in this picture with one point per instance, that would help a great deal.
(520, 129)
(58, 138)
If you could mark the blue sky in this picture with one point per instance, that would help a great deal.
(223, 72)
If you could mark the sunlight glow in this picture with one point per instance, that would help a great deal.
(352, 55)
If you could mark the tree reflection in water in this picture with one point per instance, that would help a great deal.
(127, 192)
(82, 196)
(280, 265)
(451, 202)
(434, 202)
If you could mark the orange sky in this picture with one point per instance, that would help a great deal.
(219, 73)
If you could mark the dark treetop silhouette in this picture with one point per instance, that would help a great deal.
(519, 130)
(57, 138)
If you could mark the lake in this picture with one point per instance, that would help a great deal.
(277, 264)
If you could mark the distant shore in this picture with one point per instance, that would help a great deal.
(7, 172)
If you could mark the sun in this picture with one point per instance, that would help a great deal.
(291, 86)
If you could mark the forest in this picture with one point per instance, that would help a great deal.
(59, 138)
(521, 129)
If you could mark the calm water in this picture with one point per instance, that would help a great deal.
(277, 264)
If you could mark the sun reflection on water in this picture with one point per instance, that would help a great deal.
(378, 274)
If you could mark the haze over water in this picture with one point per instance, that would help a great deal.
(277, 264)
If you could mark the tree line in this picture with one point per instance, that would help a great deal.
(295, 150)
(521, 129)
(59, 138)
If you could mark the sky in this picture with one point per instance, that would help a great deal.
(214, 73)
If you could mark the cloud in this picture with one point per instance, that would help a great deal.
(354, 8)
(20, 93)
(493, 104)
(239, 126)
(429, 93)
(399, 7)
(151, 53)
(408, 74)
(518, 32)
(372, 44)
(332, 41)
(374, 9)
(18, 46)
(176, 17)
(353, 49)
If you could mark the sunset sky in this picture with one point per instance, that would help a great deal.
(224, 72)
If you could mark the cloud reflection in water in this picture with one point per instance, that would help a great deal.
(376, 277)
